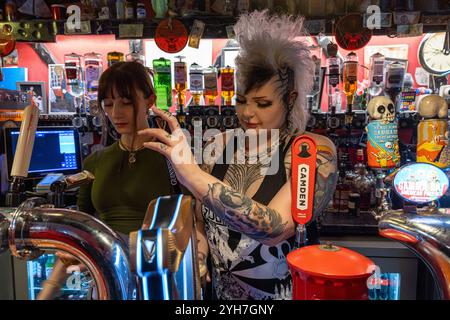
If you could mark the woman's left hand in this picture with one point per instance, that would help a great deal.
(174, 146)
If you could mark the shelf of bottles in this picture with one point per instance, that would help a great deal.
(377, 125)
(40, 269)
(37, 22)
(206, 96)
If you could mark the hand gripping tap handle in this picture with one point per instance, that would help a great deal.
(303, 159)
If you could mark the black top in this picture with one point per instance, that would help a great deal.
(244, 268)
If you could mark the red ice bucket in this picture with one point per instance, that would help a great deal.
(329, 272)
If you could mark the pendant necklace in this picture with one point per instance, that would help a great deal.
(131, 153)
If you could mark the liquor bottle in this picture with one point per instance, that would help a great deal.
(120, 9)
(180, 87)
(376, 74)
(395, 74)
(74, 79)
(363, 182)
(114, 57)
(210, 92)
(350, 83)
(196, 83)
(334, 67)
(160, 8)
(129, 10)
(343, 188)
(93, 69)
(104, 12)
(163, 83)
(227, 84)
(10, 10)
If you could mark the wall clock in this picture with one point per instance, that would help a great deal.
(432, 56)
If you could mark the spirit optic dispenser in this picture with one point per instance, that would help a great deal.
(350, 83)
(334, 67)
(163, 83)
(210, 92)
(93, 68)
(376, 74)
(227, 84)
(180, 80)
(196, 83)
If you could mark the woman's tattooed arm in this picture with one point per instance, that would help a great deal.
(326, 178)
(243, 214)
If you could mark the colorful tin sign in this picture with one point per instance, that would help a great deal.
(382, 145)
(432, 142)
(421, 183)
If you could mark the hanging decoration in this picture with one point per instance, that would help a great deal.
(171, 35)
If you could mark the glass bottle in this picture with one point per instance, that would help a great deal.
(160, 8)
(343, 188)
(104, 12)
(129, 10)
(363, 182)
(93, 67)
(350, 78)
(10, 10)
(120, 9)
(227, 84)
(114, 57)
(74, 78)
(376, 74)
(395, 74)
(210, 79)
(334, 67)
(180, 71)
(163, 83)
(196, 83)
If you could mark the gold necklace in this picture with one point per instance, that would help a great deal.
(131, 153)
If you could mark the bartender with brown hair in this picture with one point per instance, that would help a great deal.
(127, 175)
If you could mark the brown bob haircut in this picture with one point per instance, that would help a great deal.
(126, 78)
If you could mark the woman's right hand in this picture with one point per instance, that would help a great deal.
(70, 262)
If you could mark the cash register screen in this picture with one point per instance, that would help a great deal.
(55, 150)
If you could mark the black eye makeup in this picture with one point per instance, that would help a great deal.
(240, 101)
(263, 103)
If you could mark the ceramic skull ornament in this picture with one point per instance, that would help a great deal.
(433, 107)
(381, 108)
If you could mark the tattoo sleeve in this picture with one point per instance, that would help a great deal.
(243, 214)
(326, 178)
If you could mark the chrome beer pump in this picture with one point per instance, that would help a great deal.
(30, 227)
(164, 251)
(382, 146)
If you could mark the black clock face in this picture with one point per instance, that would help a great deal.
(431, 54)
